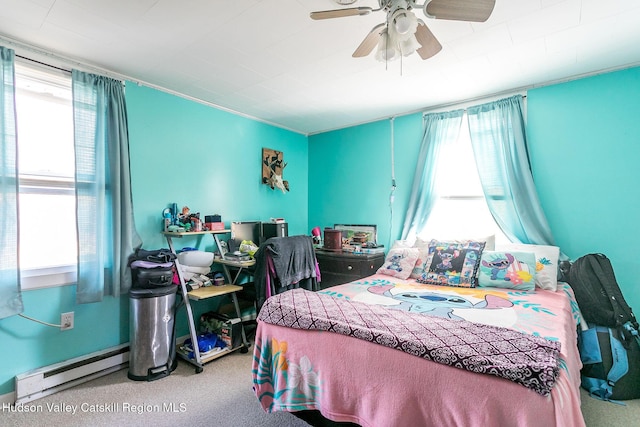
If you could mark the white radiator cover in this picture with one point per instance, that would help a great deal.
(44, 381)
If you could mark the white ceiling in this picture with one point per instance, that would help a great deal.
(268, 60)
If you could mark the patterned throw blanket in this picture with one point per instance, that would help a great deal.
(525, 359)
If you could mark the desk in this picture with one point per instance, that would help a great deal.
(215, 233)
(202, 294)
(247, 266)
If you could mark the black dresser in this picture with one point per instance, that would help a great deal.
(337, 268)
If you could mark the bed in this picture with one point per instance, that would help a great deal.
(389, 351)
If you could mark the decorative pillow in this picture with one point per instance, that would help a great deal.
(453, 263)
(423, 246)
(507, 269)
(546, 263)
(399, 262)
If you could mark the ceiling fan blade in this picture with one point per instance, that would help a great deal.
(430, 45)
(339, 13)
(369, 42)
(460, 10)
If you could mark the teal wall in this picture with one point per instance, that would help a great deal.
(183, 152)
(350, 174)
(28, 345)
(584, 140)
(210, 161)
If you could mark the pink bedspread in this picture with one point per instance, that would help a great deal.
(348, 379)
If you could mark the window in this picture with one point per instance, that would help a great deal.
(48, 253)
(460, 210)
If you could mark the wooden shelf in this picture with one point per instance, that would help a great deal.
(212, 291)
(194, 233)
(231, 263)
(204, 358)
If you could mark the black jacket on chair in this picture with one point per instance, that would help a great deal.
(284, 263)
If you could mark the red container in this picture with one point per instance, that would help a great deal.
(214, 226)
(332, 239)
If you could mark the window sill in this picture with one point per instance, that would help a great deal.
(48, 277)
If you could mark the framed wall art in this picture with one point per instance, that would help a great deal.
(272, 167)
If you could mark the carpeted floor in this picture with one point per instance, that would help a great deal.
(606, 414)
(219, 396)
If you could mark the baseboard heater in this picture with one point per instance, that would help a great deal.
(42, 382)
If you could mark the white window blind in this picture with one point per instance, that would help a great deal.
(460, 212)
(48, 253)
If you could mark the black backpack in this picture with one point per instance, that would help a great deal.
(594, 284)
(610, 347)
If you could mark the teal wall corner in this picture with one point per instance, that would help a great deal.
(351, 170)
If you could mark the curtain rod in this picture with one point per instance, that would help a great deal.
(40, 52)
(55, 67)
(43, 63)
(478, 101)
(54, 58)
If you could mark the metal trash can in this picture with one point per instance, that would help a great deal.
(152, 350)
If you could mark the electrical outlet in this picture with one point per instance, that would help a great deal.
(66, 321)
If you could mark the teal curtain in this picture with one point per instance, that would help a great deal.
(10, 296)
(499, 143)
(106, 231)
(438, 129)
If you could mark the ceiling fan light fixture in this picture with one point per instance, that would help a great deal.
(409, 46)
(402, 33)
(387, 50)
(404, 24)
(401, 21)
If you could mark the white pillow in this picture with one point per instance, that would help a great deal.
(490, 242)
(401, 244)
(546, 263)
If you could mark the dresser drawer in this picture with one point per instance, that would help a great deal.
(338, 267)
(344, 266)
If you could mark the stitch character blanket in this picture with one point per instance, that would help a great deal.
(356, 380)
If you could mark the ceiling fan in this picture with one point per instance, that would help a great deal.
(403, 33)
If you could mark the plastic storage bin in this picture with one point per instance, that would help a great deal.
(152, 349)
(196, 258)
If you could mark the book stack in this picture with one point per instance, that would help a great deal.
(378, 250)
(355, 249)
(237, 256)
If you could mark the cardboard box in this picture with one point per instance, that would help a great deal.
(229, 329)
(231, 333)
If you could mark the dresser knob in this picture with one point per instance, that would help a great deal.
(349, 267)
